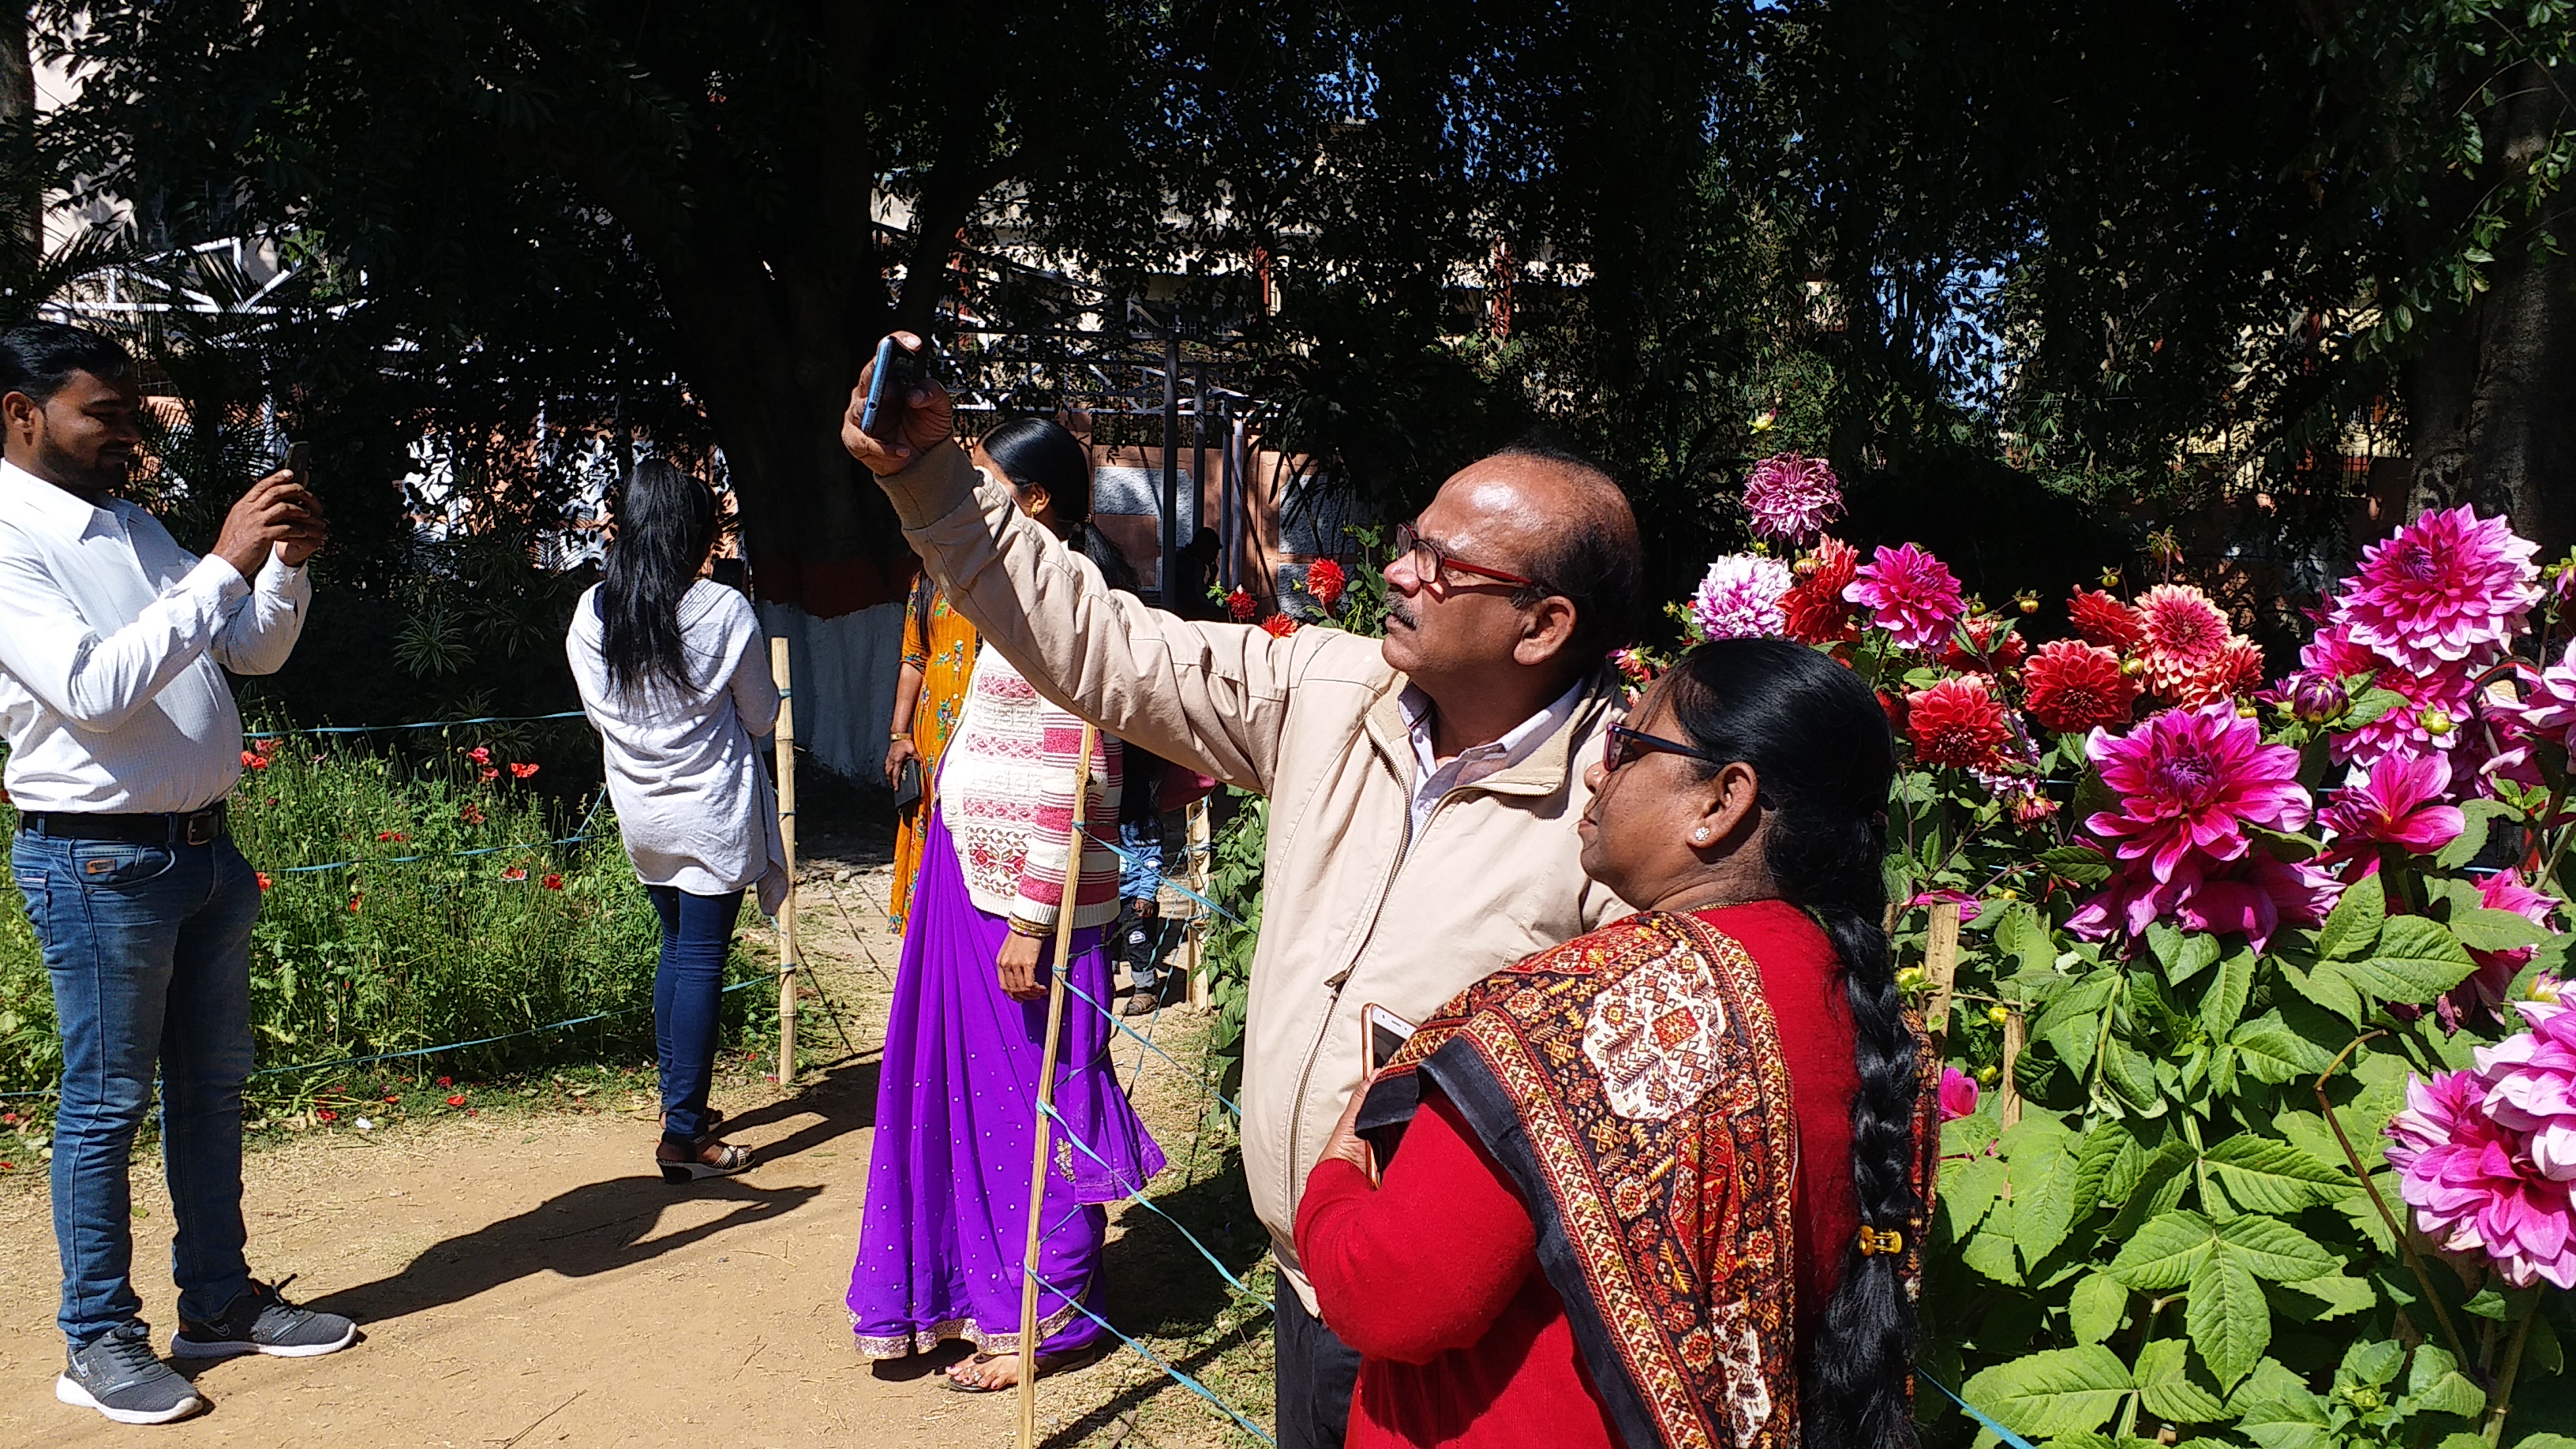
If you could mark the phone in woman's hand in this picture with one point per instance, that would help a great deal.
(898, 371)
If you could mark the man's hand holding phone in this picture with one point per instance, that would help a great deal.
(897, 428)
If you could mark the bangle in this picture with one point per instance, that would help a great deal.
(1029, 929)
(900, 735)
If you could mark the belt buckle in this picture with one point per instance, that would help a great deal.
(201, 828)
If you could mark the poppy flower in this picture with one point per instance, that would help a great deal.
(480, 754)
(265, 747)
(514, 873)
(471, 814)
(354, 898)
(447, 1081)
(325, 1114)
(264, 881)
(251, 761)
(490, 775)
(456, 1101)
(552, 882)
(393, 835)
(520, 772)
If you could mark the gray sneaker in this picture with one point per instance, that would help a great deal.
(260, 1320)
(119, 1377)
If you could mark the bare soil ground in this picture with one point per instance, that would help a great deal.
(527, 1279)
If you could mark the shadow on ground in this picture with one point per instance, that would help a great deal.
(603, 1226)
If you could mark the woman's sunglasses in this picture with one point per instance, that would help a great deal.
(1623, 744)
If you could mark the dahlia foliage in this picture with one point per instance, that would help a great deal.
(2250, 964)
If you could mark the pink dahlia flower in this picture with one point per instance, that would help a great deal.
(2399, 803)
(2255, 895)
(2502, 891)
(1788, 497)
(2448, 587)
(2189, 782)
(1958, 1094)
(2185, 634)
(2530, 1079)
(2549, 710)
(2473, 1187)
(1740, 598)
(1910, 594)
(2332, 652)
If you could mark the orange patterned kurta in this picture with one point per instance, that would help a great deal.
(943, 648)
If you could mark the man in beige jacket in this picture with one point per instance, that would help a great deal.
(1423, 793)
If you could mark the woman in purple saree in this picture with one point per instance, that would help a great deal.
(942, 1241)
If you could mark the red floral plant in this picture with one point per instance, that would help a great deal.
(1984, 644)
(325, 1114)
(456, 1101)
(265, 747)
(394, 835)
(2104, 620)
(480, 754)
(552, 882)
(447, 1081)
(1240, 607)
(251, 761)
(1814, 610)
(354, 898)
(1279, 626)
(1325, 582)
(471, 814)
(264, 881)
(520, 772)
(1956, 723)
(514, 873)
(2072, 686)
(490, 775)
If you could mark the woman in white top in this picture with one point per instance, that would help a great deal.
(674, 673)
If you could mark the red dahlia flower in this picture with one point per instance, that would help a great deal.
(2185, 634)
(1956, 723)
(2071, 687)
(2104, 620)
(1279, 626)
(1985, 644)
(1910, 594)
(1240, 607)
(1814, 610)
(1325, 582)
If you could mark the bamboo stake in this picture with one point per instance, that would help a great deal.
(1940, 964)
(1073, 846)
(1201, 873)
(786, 731)
(2008, 1100)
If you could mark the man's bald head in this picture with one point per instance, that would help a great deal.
(1585, 542)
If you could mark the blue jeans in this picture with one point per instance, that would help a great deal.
(1140, 878)
(149, 950)
(688, 987)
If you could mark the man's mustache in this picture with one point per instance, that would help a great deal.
(1397, 612)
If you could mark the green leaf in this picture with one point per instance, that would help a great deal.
(2323, 987)
(1991, 1252)
(2043, 1201)
(2081, 864)
(2276, 1054)
(2132, 1076)
(2096, 1153)
(2372, 1361)
(2486, 930)
(2332, 1296)
(2271, 1248)
(2072, 1020)
(2367, 707)
(2159, 1187)
(2095, 1310)
(2354, 923)
(2022, 935)
(2416, 960)
(2228, 1320)
(2544, 1441)
(2434, 1384)
(2223, 1003)
(2055, 1392)
(2274, 1177)
(1968, 1189)
(2165, 1387)
(2184, 954)
(2166, 1253)
(2476, 817)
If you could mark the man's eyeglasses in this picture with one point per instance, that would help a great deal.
(1623, 744)
(1432, 562)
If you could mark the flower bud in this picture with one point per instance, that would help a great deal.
(1998, 1015)
(2007, 895)
(2133, 666)
(1910, 979)
(2317, 698)
(1987, 1075)
(2435, 720)
(2245, 710)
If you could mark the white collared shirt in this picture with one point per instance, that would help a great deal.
(1432, 779)
(110, 634)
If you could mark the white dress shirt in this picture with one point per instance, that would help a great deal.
(110, 634)
(695, 808)
(1432, 779)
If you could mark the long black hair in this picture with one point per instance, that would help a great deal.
(1819, 745)
(1040, 453)
(666, 521)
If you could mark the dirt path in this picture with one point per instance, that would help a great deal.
(530, 1281)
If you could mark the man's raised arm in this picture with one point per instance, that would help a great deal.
(1209, 697)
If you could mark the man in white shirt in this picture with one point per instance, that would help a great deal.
(123, 741)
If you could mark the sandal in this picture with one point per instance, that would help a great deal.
(708, 1158)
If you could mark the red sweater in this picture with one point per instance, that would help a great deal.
(1433, 1275)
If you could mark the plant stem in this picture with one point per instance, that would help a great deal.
(2405, 1243)
(2500, 1403)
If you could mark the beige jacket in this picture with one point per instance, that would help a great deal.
(1353, 911)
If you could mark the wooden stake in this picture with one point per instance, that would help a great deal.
(786, 732)
(2008, 1100)
(1202, 874)
(1073, 848)
(1940, 965)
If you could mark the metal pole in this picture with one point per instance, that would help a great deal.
(1044, 1124)
(1171, 465)
(1225, 525)
(787, 838)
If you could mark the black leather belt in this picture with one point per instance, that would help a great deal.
(202, 827)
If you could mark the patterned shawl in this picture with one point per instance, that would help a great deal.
(1631, 1083)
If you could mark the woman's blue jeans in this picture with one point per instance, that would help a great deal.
(149, 950)
(688, 989)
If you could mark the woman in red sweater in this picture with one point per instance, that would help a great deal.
(1598, 1231)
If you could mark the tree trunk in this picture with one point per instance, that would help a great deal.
(25, 197)
(2491, 395)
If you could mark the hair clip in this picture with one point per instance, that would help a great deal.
(1874, 1241)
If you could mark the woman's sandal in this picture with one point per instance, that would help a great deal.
(708, 1158)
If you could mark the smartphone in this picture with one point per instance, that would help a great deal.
(299, 461)
(898, 372)
(1382, 1032)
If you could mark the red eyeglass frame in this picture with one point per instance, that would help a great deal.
(1409, 540)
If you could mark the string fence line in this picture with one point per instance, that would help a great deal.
(427, 724)
(1174, 1374)
(1138, 1196)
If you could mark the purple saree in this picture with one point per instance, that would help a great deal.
(948, 1178)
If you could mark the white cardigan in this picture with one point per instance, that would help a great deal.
(695, 807)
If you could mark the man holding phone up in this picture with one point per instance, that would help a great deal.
(123, 741)
(1424, 793)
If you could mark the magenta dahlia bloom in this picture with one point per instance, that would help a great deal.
(2189, 782)
(1740, 598)
(1958, 1094)
(1789, 497)
(2549, 710)
(2530, 1078)
(2474, 1188)
(2450, 586)
(1910, 594)
(2399, 803)
(2502, 891)
(2452, 688)
(2255, 895)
